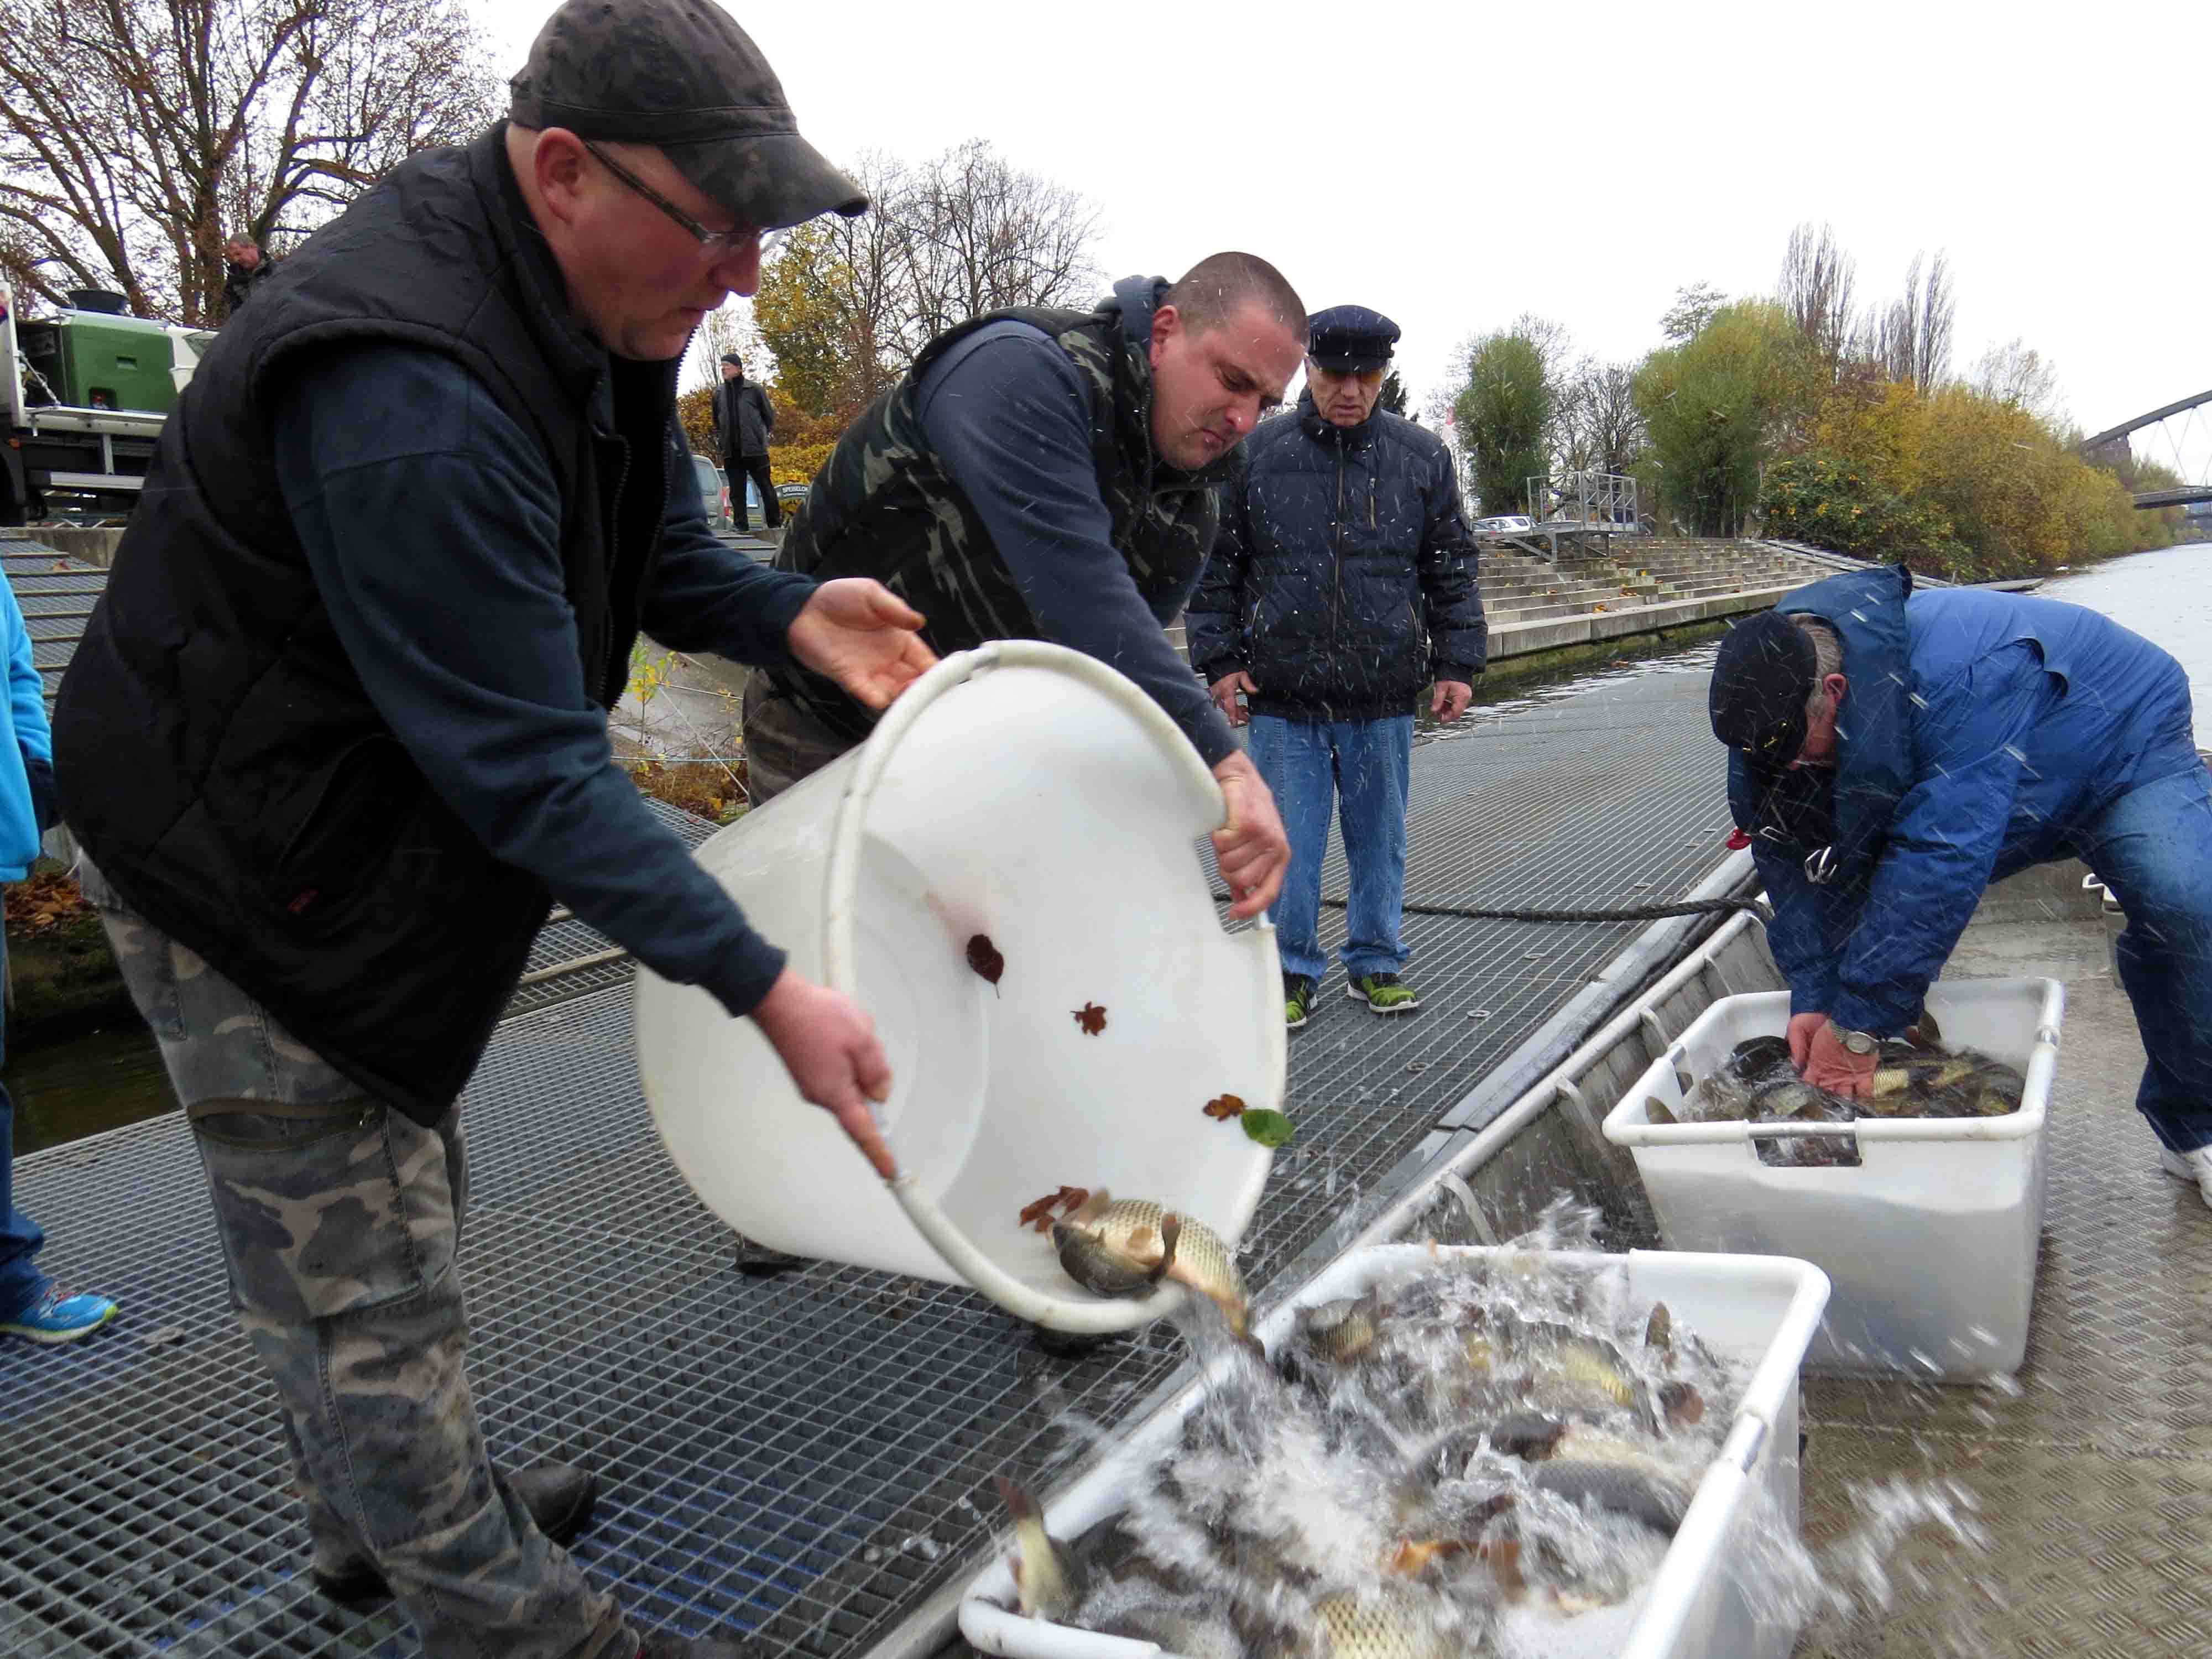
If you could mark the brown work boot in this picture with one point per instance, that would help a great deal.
(558, 1497)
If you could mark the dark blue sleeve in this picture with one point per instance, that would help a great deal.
(1007, 415)
(709, 597)
(1800, 937)
(432, 525)
(1214, 625)
(1944, 838)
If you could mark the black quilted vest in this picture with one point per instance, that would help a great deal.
(217, 754)
(882, 506)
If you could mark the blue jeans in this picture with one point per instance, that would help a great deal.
(1362, 769)
(21, 1284)
(2153, 848)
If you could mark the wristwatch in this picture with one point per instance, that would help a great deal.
(1856, 1042)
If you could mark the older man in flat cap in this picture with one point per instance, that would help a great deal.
(337, 737)
(1341, 585)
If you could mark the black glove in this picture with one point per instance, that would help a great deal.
(45, 805)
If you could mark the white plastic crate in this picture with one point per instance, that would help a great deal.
(1758, 1311)
(1930, 1242)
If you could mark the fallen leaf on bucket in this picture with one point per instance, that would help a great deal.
(1225, 1107)
(1067, 1200)
(1269, 1128)
(1091, 1017)
(983, 957)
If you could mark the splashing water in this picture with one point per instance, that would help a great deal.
(1483, 1458)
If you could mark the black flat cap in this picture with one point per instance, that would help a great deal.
(1762, 680)
(733, 360)
(1350, 338)
(681, 75)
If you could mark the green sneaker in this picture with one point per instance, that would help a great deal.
(1297, 999)
(1383, 994)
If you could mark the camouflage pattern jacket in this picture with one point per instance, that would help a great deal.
(883, 506)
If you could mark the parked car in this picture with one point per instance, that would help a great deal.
(1505, 523)
(714, 496)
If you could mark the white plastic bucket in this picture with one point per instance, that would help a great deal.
(1033, 795)
(1930, 1240)
(1758, 1311)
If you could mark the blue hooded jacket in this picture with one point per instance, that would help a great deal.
(1972, 743)
(29, 747)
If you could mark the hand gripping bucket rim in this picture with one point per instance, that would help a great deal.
(1082, 1313)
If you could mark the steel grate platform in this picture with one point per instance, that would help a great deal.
(2094, 1481)
(808, 1458)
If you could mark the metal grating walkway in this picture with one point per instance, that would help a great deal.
(808, 1458)
(2094, 1480)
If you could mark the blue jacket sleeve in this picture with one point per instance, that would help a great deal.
(1006, 413)
(1214, 625)
(27, 689)
(27, 711)
(708, 597)
(431, 524)
(1801, 935)
(1944, 839)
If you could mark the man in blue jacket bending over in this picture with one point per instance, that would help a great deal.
(1894, 752)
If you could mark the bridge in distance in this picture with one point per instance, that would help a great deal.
(2186, 494)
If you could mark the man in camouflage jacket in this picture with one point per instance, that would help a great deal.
(1045, 474)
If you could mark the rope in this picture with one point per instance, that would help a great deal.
(1688, 907)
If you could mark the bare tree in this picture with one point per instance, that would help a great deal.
(730, 329)
(135, 136)
(1817, 279)
(1693, 307)
(1600, 427)
(2014, 373)
(982, 235)
(1911, 340)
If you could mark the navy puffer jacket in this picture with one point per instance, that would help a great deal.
(1343, 578)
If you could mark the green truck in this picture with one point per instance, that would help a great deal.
(82, 396)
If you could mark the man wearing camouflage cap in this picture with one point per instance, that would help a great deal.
(1342, 584)
(337, 736)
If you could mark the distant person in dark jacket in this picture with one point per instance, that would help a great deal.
(245, 267)
(1342, 584)
(745, 421)
(1893, 752)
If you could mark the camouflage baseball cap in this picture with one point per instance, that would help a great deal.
(680, 75)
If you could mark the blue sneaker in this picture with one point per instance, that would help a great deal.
(58, 1318)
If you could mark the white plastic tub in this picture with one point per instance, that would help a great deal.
(1930, 1242)
(1035, 796)
(1759, 1311)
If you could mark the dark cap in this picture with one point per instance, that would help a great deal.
(733, 360)
(680, 75)
(1350, 338)
(1762, 679)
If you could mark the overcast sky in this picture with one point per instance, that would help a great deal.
(1456, 165)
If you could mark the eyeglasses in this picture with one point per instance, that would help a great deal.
(715, 244)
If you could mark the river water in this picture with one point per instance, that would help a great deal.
(2166, 597)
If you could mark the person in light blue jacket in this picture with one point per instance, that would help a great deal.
(30, 1306)
(1893, 752)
